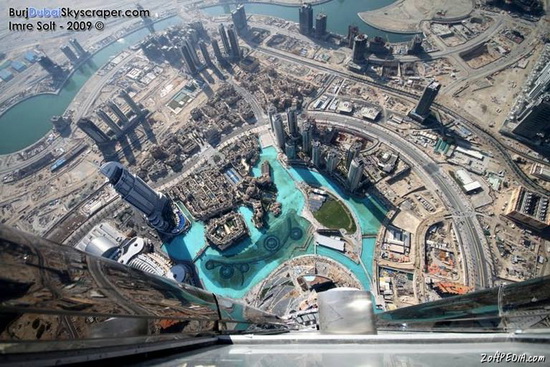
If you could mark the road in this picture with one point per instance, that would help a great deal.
(469, 231)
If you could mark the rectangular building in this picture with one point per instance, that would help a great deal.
(528, 208)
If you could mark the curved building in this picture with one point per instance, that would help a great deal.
(101, 246)
(159, 210)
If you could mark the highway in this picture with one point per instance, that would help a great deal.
(479, 269)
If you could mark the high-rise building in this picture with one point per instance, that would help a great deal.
(225, 41)
(205, 54)
(306, 19)
(133, 105)
(59, 123)
(80, 51)
(94, 132)
(290, 150)
(117, 111)
(239, 19)
(292, 116)
(307, 136)
(279, 131)
(415, 45)
(189, 63)
(159, 210)
(192, 51)
(320, 25)
(359, 48)
(535, 119)
(109, 121)
(51, 67)
(353, 31)
(234, 41)
(332, 160)
(217, 51)
(352, 153)
(316, 154)
(70, 54)
(422, 110)
(355, 174)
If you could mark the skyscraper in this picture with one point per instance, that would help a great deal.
(355, 174)
(290, 150)
(239, 19)
(306, 19)
(292, 116)
(70, 54)
(233, 40)
(320, 25)
(51, 67)
(133, 105)
(535, 119)
(225, 41)
(159, 210)
(279, 131)
(332, 160)
(415, 45)
(316, 154)
(205, 54)
(422, 110)
(217, 51)
(79, 49)
(192, 51)
(59, 123)
(189, 63)
(109, 121)
(307, 135)
(117, 111)
(359, 48)
(353, 31)
(94, 132)
(352, 152)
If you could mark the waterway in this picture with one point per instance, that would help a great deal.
(28, 121)
(340, 14)
(284, 237)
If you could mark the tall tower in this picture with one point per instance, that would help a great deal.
(353, 31)
(70, 54)
(225, 41)
(133, 105)
(332, 161)
(189, 63)
(352, 152)
(80, 51)
(307, 135)
(235, 50)
(428, 97)
(292, 116)
(306, 19)
(109, 121)
(320, 25)
(159, 210)
(51, 67)
(279, 131)
(205, 54)
(359, 48)
(94, 132)
(316, 154)
(239, 19)
(355, 174)
(217, 51)
(535, 119)
(415, 45)
(290, 150)
(117, 111)
(59, 123)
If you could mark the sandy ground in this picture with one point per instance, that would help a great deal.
(406, 15)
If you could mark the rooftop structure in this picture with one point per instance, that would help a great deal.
(468, 184)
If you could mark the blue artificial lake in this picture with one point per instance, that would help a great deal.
(284, 237)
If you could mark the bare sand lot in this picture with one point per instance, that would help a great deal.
(406, 15)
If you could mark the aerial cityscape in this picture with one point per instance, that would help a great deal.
(271, 150)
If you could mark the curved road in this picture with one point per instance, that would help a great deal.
(479, 269)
